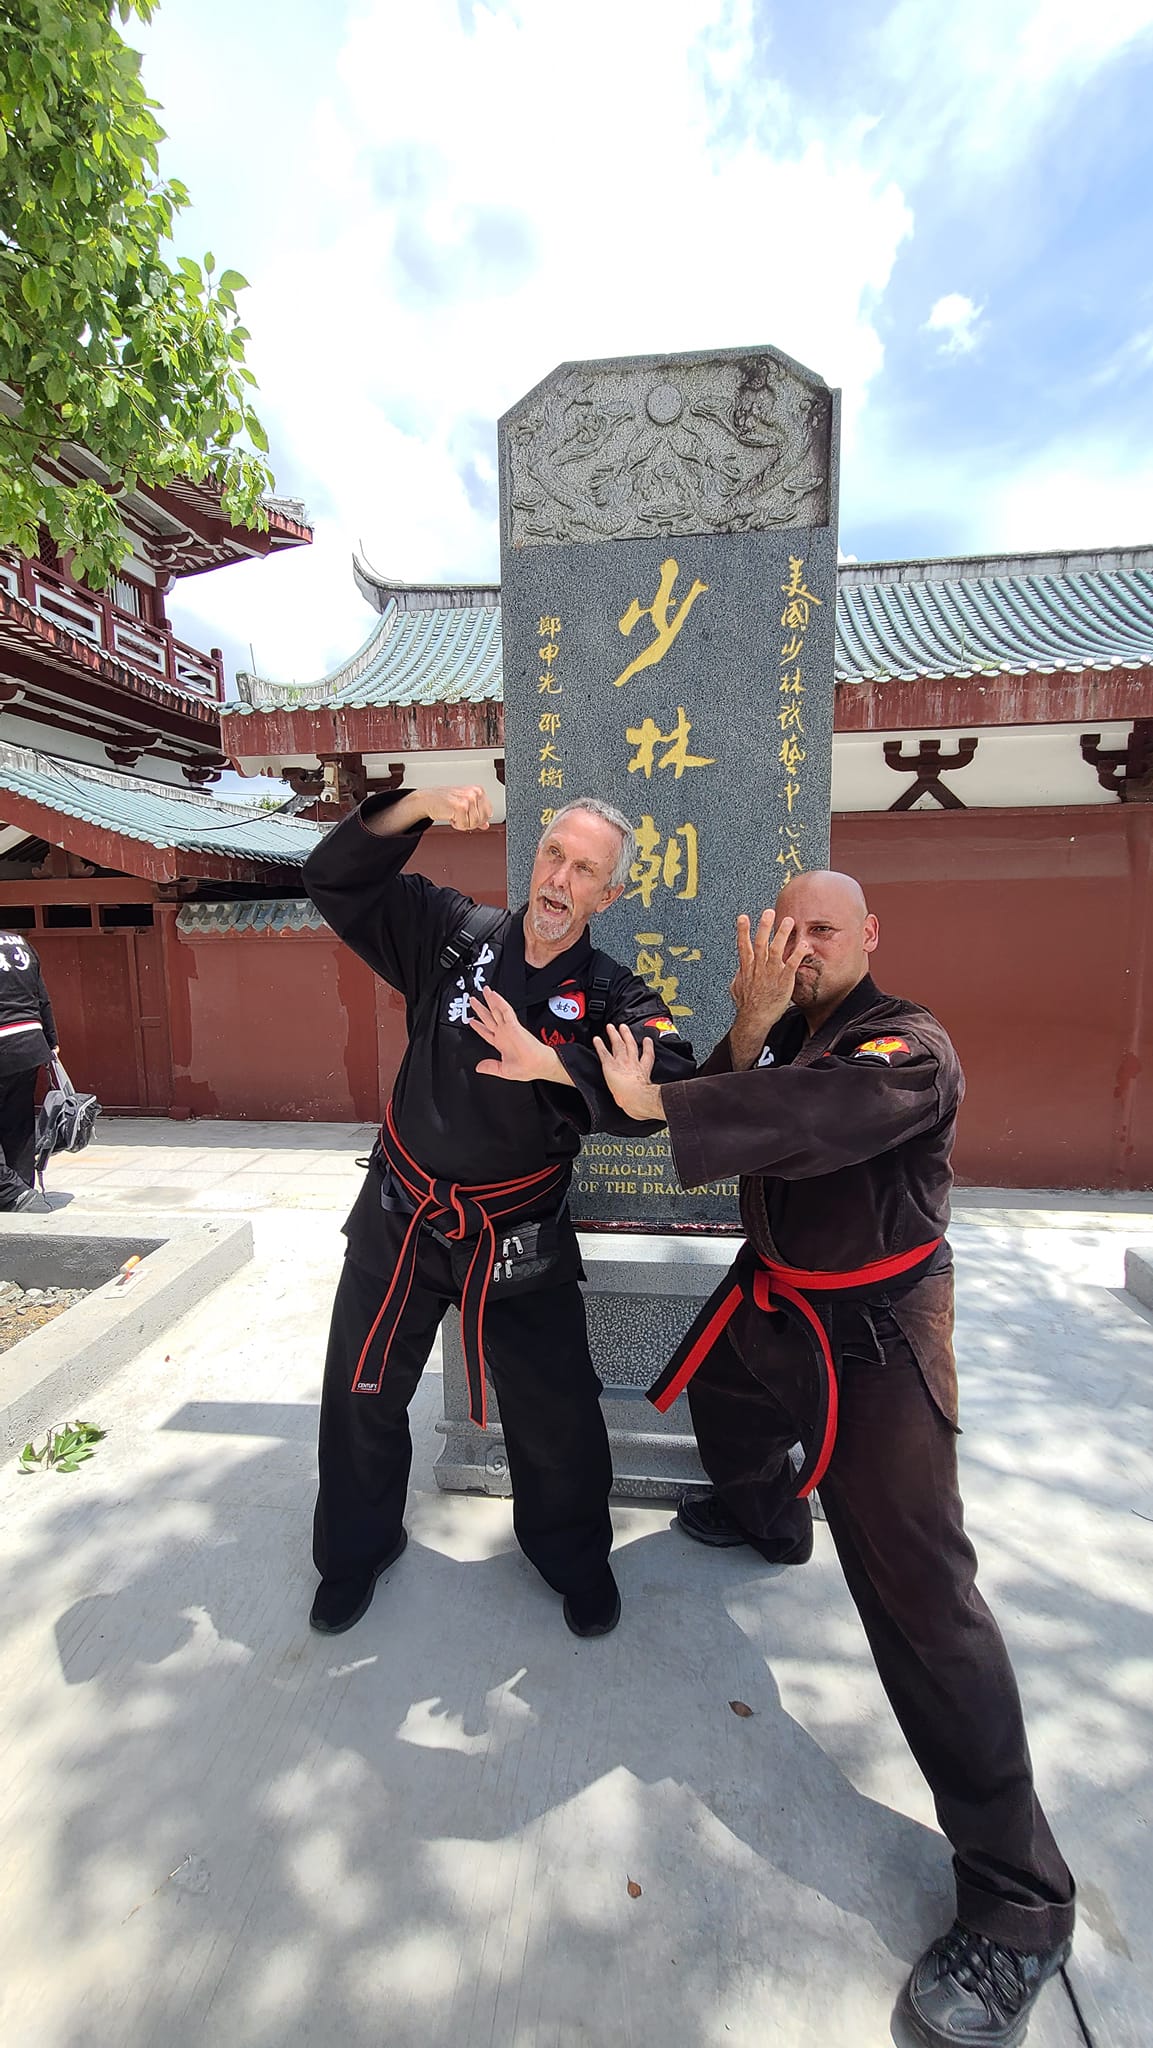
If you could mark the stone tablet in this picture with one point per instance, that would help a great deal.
(669, 590)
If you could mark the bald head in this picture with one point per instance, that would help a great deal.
(833, 936)
(826, 888)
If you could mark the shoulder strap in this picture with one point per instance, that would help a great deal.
(604, 968)
(462, 947)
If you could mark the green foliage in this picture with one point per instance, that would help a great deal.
(63, 1450)
(139, 359)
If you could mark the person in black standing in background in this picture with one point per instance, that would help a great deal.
(27, 1043)
(465, 1199)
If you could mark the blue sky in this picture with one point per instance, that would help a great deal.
(945, 210)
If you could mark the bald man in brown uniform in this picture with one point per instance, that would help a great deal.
(836, 1105)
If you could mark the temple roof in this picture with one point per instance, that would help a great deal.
(960, 617)
(1003, 615)
(180, 833)
(441, 654)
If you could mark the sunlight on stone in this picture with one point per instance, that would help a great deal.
(462, 1527)
(429, 1726)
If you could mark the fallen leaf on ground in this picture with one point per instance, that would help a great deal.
(739, 1707)
(634, 1889)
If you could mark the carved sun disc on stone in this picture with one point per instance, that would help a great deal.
(664, 404)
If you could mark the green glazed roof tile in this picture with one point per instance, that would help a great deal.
(154, 814)
(1001, 615)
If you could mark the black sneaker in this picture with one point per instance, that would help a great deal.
(705, 1518)
(970, 1992)
(27, 1199)
(340, 1603)
(594, 1613)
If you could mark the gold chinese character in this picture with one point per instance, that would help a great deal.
(789, 718)
(790, 792)
(796, 587)
(547, 688)
(665, 629)
(792, 650)
(546, 818)
(652, 867)
(788, 857)
(552, 778)
(647, 737)
(549, 721)
(548, 629)
(791, 686)
(549, 654)
(650, 968)
(791, 755)
(548, 752)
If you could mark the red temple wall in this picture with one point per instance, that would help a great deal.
(1028, 932)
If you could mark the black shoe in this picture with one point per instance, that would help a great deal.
(970, 1992)
(595, 1613)
(340, 1603)
(705, 1518)
(27, 1199)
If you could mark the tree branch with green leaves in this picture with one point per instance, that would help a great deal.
(106, 338)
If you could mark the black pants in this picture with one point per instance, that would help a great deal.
(894, 1511)
(17, 1134)
(536, 1345)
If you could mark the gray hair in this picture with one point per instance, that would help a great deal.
(611, 816)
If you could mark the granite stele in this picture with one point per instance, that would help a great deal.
(669, 592)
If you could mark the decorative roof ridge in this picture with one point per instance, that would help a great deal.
(421, 597)
(976, 568)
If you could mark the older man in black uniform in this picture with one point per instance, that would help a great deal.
(465, 1199)
(836, 1105)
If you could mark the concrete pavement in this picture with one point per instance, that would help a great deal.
(215, 1824)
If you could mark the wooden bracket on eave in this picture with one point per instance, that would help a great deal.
(1126, 772)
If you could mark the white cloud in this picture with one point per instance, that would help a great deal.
(1077, 495)
(957, 318)
(977, 82)
(460, 197)
(499, 209)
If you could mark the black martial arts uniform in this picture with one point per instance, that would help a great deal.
(450, 1131)
(835, 1328)
(27, 1042)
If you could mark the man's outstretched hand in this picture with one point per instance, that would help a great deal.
(519, 1056)
(627, 1068)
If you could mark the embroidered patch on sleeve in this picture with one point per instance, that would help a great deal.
(662, 1024)
(880, 1049)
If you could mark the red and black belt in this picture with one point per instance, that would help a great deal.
(460, 1214)
(774, 1287)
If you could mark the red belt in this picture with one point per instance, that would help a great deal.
(473, 1212)
(771, 1287)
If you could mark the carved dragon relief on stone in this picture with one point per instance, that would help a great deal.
(622, 452)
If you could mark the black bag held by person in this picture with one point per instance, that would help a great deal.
(65, 1121)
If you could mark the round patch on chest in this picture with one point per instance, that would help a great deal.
(568, 1007)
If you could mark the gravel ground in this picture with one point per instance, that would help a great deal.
(25, 1309)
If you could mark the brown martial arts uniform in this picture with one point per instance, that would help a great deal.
(843, 1141)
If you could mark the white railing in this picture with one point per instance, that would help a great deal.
(152, 650)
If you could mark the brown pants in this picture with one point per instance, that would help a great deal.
(894, 1511)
